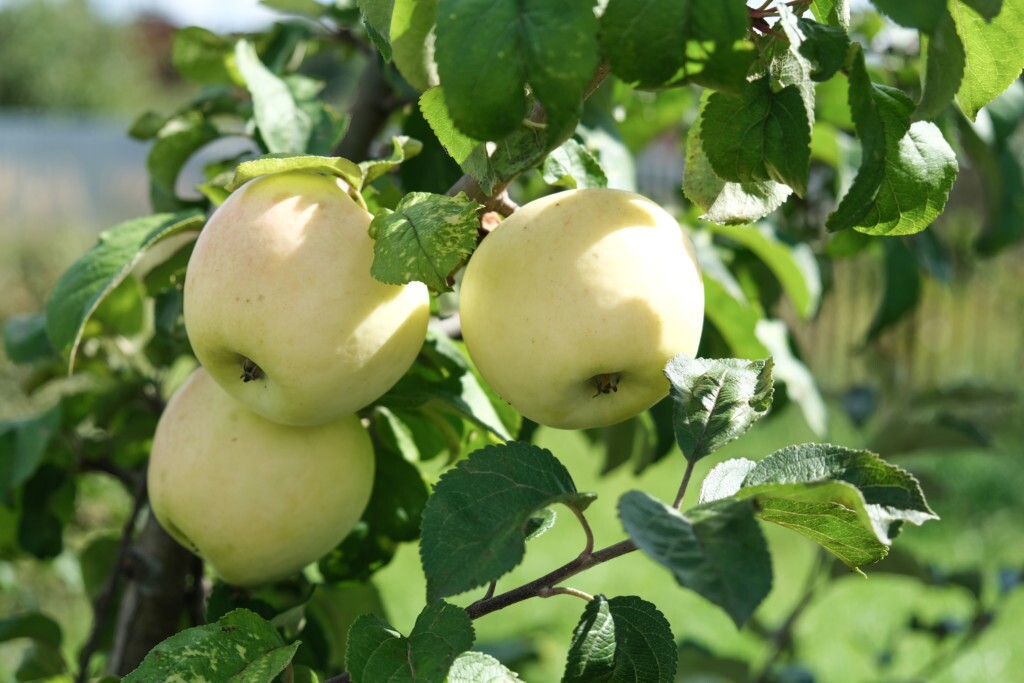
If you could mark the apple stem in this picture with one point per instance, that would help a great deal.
(250, 371)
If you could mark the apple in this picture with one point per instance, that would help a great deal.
(281, 308)
(257, 499)
(573, 305)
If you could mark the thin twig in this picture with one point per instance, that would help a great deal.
(684, 484)
(551, 579)
(585, 560)
(565, 590)
(105, 598)
(491, 587)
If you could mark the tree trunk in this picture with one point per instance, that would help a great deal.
(154, 599)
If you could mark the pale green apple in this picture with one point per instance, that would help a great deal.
(281, 308)
(257, 499)
(573, 305)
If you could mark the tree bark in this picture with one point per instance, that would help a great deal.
(374, 103)
(154, 598)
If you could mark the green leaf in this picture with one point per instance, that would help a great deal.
(434, 109)
(541, 523)
(725, 305)
(725, 479)
(398, 498)
(881, 116)
(902, 288)
(100, 270)
(377, 17)
(33, 625)
(283, 125)
(122, 313)
(347, 170)
(147, 125)
(716, 400)
(176, 142)
(572, 166)
(646, 42)
(720, 66)
(23, 444)
(201, 55)
(412, 41)
(801, 388)
(239, 647)
(993, 51)
(791, 65)
(309, 8)
(426, 238)
(25, 339)
(643, 41)
(758, 135)
(96, 561)
(474, 524)
(622, 639)
(724, 202)
(989, 9)
(924, 15)
(832, 12)
(718, 552)
(42, 659)
(403, 147)
(906, 171)
(433, 169)
(47, 505)
(892, 495)
(920, 169)
(552, 47)
(1000, 162)
(476, 667)
(376, 652)
(830, 513)
(443, 383)
(795, 266)
(634, 440)
(942, 68)
(328, 126)
(719, 22)
(826, 46)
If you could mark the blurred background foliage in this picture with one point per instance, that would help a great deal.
(916, 348)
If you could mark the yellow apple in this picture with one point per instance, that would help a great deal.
(281, 308)
(573, 305)
(257, 499)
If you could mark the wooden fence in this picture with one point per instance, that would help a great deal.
(971, 331)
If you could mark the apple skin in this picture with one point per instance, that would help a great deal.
(577, 292)
(257, 499)
(280, 276)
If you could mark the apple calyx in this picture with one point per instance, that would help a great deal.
(250, 371)
(606, 382)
